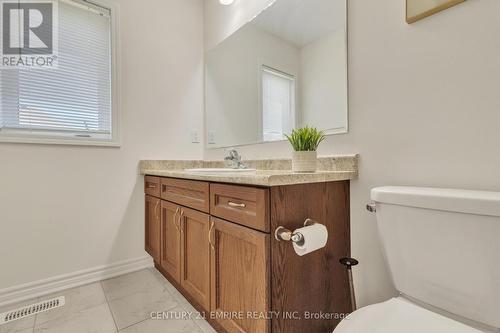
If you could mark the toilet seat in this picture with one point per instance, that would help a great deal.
(397, 316)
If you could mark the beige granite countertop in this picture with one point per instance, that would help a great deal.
(269, 172)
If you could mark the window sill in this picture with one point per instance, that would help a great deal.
(67, 141)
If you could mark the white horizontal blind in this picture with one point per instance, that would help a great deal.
(278, 104)
(75, 97)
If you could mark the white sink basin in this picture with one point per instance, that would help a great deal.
(220, 170)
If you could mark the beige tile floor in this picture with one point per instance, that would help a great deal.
(122, 304)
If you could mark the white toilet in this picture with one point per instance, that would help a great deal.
(443, 250)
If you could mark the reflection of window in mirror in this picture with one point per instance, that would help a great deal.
(278, 104)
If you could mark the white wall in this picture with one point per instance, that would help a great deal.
(64, 209)
(424, 110)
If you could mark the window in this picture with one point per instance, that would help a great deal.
(73, 102)
(278, 104)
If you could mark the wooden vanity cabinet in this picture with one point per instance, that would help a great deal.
(152, 227)
(188, 193)
(170, 234)
(248, 206)
(218, 248)
(315, 283)
(240, 276)
(185, 252)
(195, 255)
(152, 186)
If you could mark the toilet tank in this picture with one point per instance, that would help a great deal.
(443, 247)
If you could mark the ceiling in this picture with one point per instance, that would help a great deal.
(302, 21)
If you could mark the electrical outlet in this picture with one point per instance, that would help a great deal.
(211, 137)
(194, 136)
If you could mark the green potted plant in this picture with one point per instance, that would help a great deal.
(305, 142)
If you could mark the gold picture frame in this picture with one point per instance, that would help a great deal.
(419, 9)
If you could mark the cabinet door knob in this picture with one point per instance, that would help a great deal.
(210, 235)
(238, 205)
(174, 219)
(156, 210)
(181, 221)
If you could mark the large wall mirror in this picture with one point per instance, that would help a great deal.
(286, 68)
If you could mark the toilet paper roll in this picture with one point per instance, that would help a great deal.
(315, 238)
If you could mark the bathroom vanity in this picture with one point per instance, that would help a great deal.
(212, 236)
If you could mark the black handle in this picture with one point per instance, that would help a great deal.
(349, 262)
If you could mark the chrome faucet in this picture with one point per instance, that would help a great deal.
(233, 160)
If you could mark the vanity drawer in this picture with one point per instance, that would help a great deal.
(248, 206)
(188, 193)
(152, 186)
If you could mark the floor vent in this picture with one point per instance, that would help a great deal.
(31, 310)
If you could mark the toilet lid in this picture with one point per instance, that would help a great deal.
(398, 315)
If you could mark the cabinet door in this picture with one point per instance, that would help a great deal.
(239, 267)
(152, 227)
(170, 240)
(195, 255)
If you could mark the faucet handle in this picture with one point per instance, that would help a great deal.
(234, 159)
(233, 155)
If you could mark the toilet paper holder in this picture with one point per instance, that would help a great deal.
(283, 234)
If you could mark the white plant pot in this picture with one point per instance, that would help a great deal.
(304, 161)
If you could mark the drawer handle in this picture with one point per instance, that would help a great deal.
(238, 205)
(151, 185)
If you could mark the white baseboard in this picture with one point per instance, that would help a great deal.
(66, 281)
